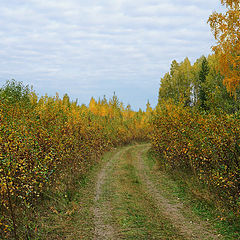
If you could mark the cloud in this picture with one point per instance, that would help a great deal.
(92, 47)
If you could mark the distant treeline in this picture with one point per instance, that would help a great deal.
(199, 86)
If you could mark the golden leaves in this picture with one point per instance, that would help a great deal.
(226, 30)
(38, 142)
(205, 144)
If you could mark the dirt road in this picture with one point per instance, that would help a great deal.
(132, 201)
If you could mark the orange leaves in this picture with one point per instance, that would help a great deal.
(231, 3)
(226, 30)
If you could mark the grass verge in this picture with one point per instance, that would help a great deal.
(196, 195)
(66, 212)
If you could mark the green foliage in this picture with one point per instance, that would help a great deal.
(176, 84)
(202, 79)
(14, 92)
(199, 86)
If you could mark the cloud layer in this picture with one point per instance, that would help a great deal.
(93, 48)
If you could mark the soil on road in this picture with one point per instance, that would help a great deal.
(132, 201)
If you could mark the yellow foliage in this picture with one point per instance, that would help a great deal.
(226, 30)
(206, 145)
(38, 141)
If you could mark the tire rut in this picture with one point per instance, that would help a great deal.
(188, 227)
(195, 229)
(104, 230)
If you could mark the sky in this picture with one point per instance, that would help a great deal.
(94, 48)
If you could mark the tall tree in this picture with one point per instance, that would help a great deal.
(218, 98)
(226, 30)
(202, 79)
(176, 84)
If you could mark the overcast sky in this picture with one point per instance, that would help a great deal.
(95, 47)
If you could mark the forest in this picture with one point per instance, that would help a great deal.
(48, 143)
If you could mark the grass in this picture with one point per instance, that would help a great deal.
(202, 202)
(66, 213)
(134, 213)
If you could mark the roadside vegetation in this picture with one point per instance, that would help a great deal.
(53, 179)
(196, 125)
(52, 141)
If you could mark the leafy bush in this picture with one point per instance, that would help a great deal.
(14, 92)
(205, 144)
(43, 140)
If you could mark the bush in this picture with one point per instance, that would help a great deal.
(205, 144)
(45, 140)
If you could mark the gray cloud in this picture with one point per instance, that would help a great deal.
(91, 48)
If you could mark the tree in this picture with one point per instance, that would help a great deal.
(218, 98)
(93, 106)
(148, 108)
(14, 92)
(176, 84)
(226, 30)
(66, 100)
(202, 79)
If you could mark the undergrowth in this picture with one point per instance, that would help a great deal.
(202, 201)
